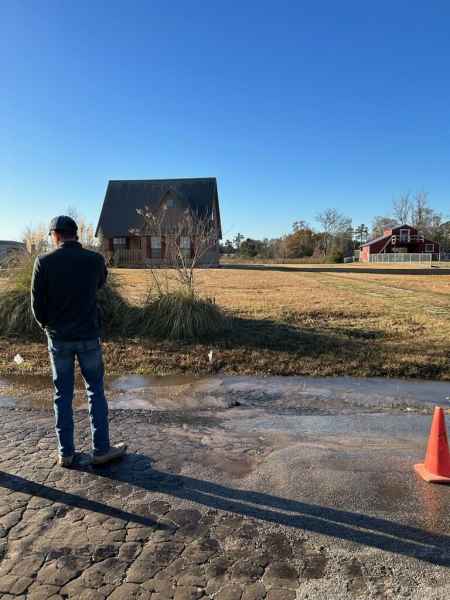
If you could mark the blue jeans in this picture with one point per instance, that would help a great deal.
(62, 359)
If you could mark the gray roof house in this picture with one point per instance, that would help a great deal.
(121, 228)
(7, 248)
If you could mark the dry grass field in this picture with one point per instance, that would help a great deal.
(308, 321)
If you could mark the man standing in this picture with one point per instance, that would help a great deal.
(64, 304)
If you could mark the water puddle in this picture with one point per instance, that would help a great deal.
(276, 395)
(133, 382)
(7, 402)
(410, 425)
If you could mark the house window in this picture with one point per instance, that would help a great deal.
(120, 242)
(156, 247)
(429, 247)
(404, 235)
(170, 202)
(185, 246)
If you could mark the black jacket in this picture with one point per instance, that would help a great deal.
(64, 292)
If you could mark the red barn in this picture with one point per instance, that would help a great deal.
(398, 239)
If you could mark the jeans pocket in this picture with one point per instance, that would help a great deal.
(60, 348)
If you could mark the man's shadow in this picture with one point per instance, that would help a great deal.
(136, 470)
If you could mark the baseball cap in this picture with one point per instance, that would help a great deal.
(63, 223)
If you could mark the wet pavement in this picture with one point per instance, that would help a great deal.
(322, 395)
(234, 488)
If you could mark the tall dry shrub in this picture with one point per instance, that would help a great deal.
(182, 315)
(16, 319)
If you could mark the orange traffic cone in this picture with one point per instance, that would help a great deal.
(436, 468)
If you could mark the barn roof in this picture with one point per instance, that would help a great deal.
(124, 197)
(376, 240)
(387, 236)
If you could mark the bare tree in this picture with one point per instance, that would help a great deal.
(403, 209)
(35, 238)
(85, 229)
(379, 224)
(301, 225)
(333, 223)
(189, 237)
(411, 209)
(422, 214)
(415, 210)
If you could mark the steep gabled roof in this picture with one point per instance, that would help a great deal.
(376, 240)
(124, 197)
(10, 243)
(404, 226)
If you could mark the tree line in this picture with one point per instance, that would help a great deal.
(337, 237)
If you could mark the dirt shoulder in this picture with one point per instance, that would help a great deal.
(295, 353)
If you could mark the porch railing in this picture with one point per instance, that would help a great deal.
(133, 257)
(407, 239)
(121, 257)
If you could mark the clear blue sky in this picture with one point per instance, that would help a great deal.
(293, 106)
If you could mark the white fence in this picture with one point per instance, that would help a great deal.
(404, 257)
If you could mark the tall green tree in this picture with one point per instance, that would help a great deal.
(361, 234)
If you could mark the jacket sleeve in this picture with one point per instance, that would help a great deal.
(103, 273)
(39, 294)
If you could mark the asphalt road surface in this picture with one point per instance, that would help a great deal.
(234, 488)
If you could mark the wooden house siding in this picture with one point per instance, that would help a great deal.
(138, 252)
(122, 229)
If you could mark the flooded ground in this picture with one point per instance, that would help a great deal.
(283, 395)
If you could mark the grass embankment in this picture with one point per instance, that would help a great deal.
(286, 323)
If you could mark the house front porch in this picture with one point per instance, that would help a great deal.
(156, 251)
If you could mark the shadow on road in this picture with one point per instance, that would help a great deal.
(16, 483)
(136, 470)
